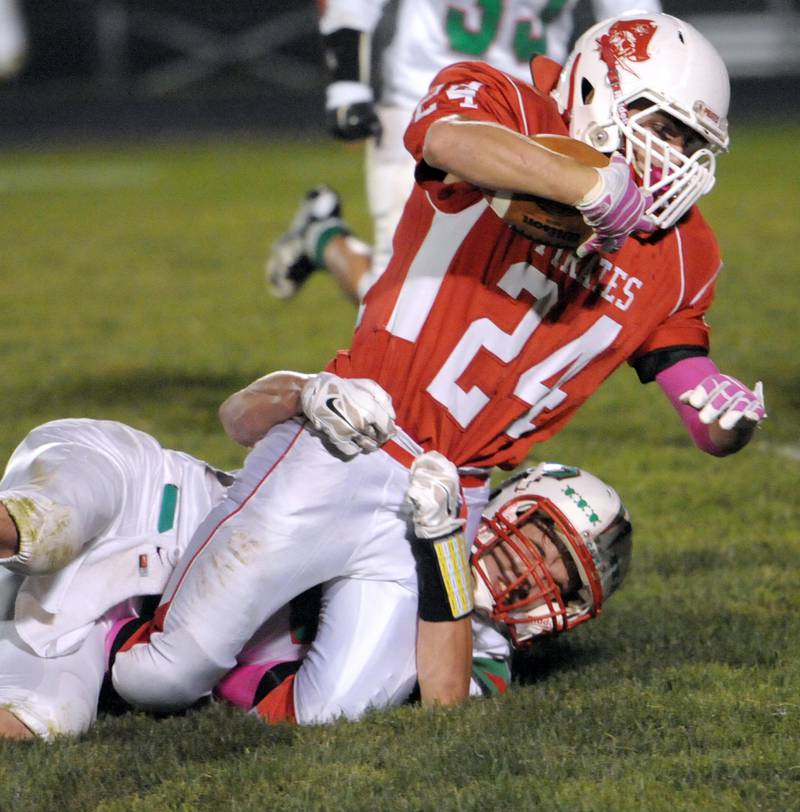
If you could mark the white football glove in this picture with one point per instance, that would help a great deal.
(721, 398)
(354, 414)
(433, 495)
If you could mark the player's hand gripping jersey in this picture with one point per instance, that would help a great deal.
(488, 342)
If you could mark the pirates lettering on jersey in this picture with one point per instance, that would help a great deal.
(597, 274)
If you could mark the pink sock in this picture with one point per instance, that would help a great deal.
(112, 635)
(239, 685)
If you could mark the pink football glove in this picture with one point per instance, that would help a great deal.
(616, 211)
(726, 400)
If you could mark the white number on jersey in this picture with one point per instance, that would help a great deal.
(568, 360)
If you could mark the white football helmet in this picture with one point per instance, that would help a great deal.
(586, 520)
(666, 65)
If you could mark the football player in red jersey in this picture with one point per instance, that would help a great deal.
(486, 341)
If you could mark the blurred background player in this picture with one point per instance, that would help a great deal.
(13, 39)
(426, 36)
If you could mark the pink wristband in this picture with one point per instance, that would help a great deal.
(239, 685)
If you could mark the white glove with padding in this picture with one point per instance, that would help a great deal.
(433, 492)
(354, 414)
(726, 400)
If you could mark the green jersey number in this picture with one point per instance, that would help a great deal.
(529, 37)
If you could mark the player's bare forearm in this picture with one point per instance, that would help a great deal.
(247, 415)
(444, 661)
(493, 157)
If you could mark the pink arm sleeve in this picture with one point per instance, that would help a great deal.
(679, 378)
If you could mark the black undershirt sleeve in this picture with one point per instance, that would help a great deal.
(649, 365)
(343, 56)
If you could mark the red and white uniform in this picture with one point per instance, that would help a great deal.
(488, 342)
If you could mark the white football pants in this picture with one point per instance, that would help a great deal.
(297, 516)
(88, 497)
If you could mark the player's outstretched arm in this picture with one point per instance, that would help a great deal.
(731, 410)
(353, 414)
(720, 412)
(444, 629)
(247, 415)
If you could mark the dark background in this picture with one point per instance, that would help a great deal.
(124, 68)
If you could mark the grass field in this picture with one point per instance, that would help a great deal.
(132, 289)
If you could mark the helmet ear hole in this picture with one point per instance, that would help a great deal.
(587, 91)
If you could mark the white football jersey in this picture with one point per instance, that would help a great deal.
(430, 34)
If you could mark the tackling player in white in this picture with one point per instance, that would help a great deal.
(94, 515)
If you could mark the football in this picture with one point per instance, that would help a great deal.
(542, 220)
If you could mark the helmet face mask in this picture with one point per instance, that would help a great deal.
(554, 543)
(524, 592)
(676, 178)
(669, 67)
